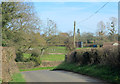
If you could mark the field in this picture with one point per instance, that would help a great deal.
(57, 50)
(51, 57)
(52, 54)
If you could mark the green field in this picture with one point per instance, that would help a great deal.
(56, 49)
(51, 57)
(102, 72)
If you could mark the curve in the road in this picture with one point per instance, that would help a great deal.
(57, 76)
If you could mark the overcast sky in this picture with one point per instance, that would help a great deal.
(65, 13)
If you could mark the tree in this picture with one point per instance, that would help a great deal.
(78, 35)
(0, 25)
(19, 21)
(20, 26)
(112, 29)
(50, 29)
(69, 42)
(101, 29)
(101, 33)
(62, 37)
(13, 14)
(50, 32)
(87, 37)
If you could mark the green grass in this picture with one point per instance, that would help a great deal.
(0, 81)
(49, 57)
(53, 57)
(26, 55)
(56, 49)
(103, 72)
(17, 78)
(39, 68)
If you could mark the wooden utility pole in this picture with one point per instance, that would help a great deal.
(74, 35)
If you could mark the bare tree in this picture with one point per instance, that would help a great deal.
(112, 28)
(101, 33)
(101, 28)
(69, 42)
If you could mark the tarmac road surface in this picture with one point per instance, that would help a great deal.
(59, 76)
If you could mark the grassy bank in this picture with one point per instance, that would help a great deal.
(17, 78)
(102, 72)
(39, 68)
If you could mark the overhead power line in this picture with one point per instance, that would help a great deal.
(93, 13)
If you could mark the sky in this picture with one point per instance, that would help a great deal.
(65, 13)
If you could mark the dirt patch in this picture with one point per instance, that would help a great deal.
(25, 65)
(29, 65)
(51, 63)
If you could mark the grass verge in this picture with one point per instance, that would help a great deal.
(102, 72)
(39, 68)
(17, 78)
(0, 81)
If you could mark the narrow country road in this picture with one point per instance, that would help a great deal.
(58, 76)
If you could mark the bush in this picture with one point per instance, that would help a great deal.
(19, 57)
(35, 57)
(35, 53)
(79, 57)
(103, 56)
(36, 60)
(112, 56)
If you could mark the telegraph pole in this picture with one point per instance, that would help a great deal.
(74, 35)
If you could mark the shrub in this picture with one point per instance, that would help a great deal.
(35, 53)
(37, 61)
(112, 56)
(19, 57)
(35, 57)
(103, 56)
